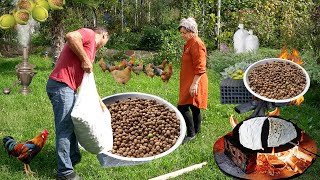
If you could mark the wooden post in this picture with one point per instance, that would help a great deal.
(179, 172)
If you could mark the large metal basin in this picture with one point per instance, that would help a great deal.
(264, 61)
(107, 159)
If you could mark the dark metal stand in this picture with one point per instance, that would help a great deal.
(259, 107)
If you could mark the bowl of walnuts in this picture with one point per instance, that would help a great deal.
(276, 80)
(144, 126)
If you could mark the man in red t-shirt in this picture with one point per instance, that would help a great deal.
(76, 58)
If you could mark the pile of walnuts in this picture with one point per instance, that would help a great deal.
(277, 80)
(142, 127)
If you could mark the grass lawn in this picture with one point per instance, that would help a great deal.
(25, 116)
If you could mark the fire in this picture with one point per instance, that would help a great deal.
(275, 112)
(298, 101)
(294, 159)
(294, 57)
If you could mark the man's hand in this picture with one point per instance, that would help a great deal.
(87, 66)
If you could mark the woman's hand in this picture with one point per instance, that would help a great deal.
(193, 89)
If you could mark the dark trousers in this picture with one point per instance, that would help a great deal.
(193, 121)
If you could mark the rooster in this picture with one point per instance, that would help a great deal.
(122, 76)
(166, 75)
(26, 151)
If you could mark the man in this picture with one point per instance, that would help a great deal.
(75, 59)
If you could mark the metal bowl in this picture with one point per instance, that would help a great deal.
(107, 159)
(264, 61)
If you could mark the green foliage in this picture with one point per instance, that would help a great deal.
(275, 22)
(218, 61)
(40, 39)
(172, 46)
(152, 38)
(203, 12)
(124, 41)
(236, 71)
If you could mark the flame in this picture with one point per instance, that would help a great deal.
(233, 121)
(275, 112)
(294, 57)
(294, 159)
(284, 53)
(298, 101)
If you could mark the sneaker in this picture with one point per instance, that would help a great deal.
(72, 176)
(187, 139)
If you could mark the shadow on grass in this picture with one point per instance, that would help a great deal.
(8, 66)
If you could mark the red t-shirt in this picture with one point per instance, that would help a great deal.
(68, 68)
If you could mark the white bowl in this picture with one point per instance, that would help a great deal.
(264, 61)
(107, 159)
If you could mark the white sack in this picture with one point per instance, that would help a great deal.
(92, 126)
(239, 38)
(251, 42)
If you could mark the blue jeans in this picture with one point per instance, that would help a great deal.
(62, 98)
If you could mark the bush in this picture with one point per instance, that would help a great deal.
(124, 41)
(218, 61)
(172, 46)
(151, 39)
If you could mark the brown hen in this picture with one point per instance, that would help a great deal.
(166, 75)
(122, 76)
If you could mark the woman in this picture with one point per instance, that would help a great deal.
(193, 78)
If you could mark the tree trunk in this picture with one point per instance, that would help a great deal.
(58, 33)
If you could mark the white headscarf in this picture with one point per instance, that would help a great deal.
(190, 24)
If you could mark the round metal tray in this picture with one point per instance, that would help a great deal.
(107, 159)
(264, 61)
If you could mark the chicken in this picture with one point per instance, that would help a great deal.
(137, 69)
(122, 76)
(162, 65)
(166, 75)
(132, 61)
(103, 65)
(121, 66)
(157, 71)
(26, 151)
(149, 71)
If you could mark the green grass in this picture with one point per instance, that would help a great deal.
(25, 116)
